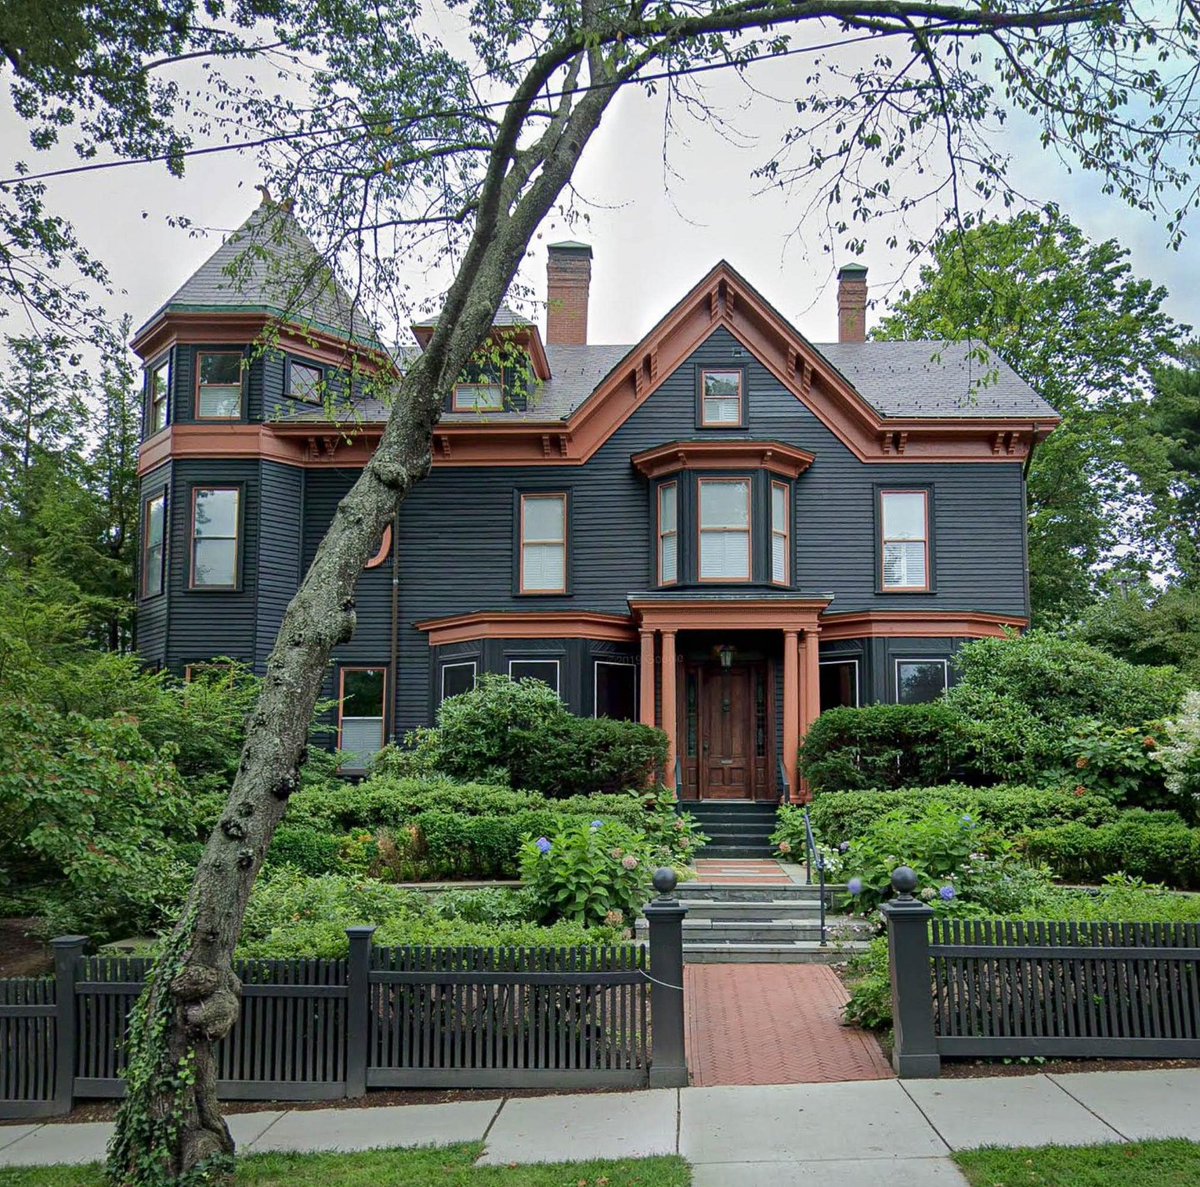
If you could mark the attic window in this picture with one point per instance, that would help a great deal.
(305, 381)
(478, 397)
(720, 399)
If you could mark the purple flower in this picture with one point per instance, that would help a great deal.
(844, 847)
(966, 819)
(947, 893)
(855, 885)
(544, 845)
(597, 824)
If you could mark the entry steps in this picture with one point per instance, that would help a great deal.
(775, 924)
(736, 828)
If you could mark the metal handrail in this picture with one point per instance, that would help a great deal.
(785, 791)
(678, 777)
(814, 855)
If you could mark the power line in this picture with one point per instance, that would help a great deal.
(473, 109)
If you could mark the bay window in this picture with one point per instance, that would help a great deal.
(545, 670)
(904, 532)
(154, 521)
(216, 530)
(543, 564)
(160, 387)
(724, 529)
(919, 681)
(781, 533)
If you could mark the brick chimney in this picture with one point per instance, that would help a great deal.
(568, 279)
(852, 303)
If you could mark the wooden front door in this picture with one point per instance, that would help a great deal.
(726, 731)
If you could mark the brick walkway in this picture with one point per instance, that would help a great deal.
(738, 871)
(773, 1024)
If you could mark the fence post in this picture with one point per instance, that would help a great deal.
(358, 1007)
(914, 1053)
(668, 1065)
(68, 952)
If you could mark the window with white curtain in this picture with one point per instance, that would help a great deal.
(724, 529)
(219, 390)
(544, 543)
(668, 534)
(781, 532)
(905, 537)
(720, 398)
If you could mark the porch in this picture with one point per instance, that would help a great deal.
(735, 685)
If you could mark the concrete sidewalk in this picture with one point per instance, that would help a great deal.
(838, 1135)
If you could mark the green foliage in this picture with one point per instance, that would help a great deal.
(1006, 809)
(881, 746)
(1120, 899)
(292, 915)
(870, 983)
(1073, 321)
(1179, 756)
(1155, 846)
(520, 733)
(1120, 763)
(593, 874)
(1146, 625)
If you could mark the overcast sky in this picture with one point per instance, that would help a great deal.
(652, 239)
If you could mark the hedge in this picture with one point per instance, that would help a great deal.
(881, 746)
(1147, 845)
(842, 816)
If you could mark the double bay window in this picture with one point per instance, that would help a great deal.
(724, 522)
(904, 532)
(543, 564)
(216, 523)
(545, 670)
(219, 386)
(361, 719)
(154, 553)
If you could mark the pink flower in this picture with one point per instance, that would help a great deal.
(785, 847)
(614, 918)
(616, 854)
(630, 862)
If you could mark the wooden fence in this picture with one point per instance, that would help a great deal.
(385, 1017)
(1019, 989)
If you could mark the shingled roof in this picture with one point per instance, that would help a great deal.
(269, 265)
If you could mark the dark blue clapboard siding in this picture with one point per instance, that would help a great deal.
(279, 560)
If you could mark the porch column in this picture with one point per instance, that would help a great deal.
(810, 682)
(646, 693)
(791, 710)
(669, 703)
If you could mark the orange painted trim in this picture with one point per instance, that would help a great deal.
(919, 624)
(646, 673)
(791, 711)
(314, 446)
(783, 614)
(562, 543)
(385, 547)
(553, 624)
(244, 329)
(701, 529)
(723, 455)
(670, 706)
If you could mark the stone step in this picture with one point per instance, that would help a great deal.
(746, 852)
(770, 908)
(734, 931)
(749, 893)
(735, 837)
(799, 952)
(731, 813)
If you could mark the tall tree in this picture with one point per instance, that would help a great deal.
(404, 148)
(1072, 320)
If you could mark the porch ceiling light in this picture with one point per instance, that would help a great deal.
(725, 653)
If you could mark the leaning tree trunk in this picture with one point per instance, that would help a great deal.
(169, 1129)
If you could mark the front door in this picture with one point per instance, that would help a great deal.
(726, 736)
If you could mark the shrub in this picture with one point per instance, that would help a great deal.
(870, 984)
(591, 874)
(1179, 756)
(881, 746)
(1007, 809)
(1157, 847)
(521, 734)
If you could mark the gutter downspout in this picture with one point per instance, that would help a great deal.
(394, 650)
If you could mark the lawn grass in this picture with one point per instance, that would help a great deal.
(440, 1166)
(1156, 1164)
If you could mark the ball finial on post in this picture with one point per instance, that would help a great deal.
(665, 880)
(904, 881)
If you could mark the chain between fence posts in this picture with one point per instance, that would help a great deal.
(914, 1053)
(68, 953)
(668, 1066)
(358, 1007)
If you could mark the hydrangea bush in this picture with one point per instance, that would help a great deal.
(596, 874)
